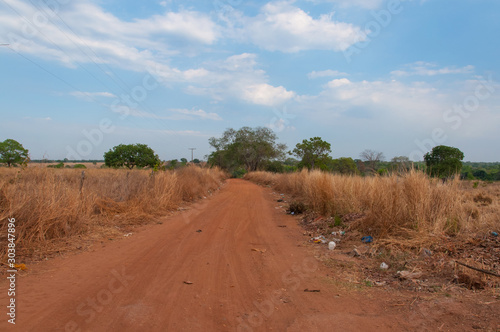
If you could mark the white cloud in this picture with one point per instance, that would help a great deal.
(325, 73)
(286, 28)
(200, 114)
(367, 4)
(91, 95)
(237, 77)
(175, 114)
(268, 95)
(37, 119)
(428, 69)
(338, 83)
(100, 37)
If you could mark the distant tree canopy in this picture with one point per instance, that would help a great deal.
(343, 166)
(444, 161)
(247, 147)
(138, 155)
(13, 153)
(314, 153)
(400, 164)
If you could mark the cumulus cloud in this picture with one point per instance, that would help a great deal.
(283, 27)
(238, 77)
(268, 95)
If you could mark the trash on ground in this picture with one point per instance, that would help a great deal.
(331, 245)
(127, 235)
(282, 226)
(319, 239)
(409, 275)
(187, 282)
(259, 250)
(355, 252)
(367, 239)
(279, 200)
(494, 233)
(199, 231)
(21, 267)
(426, 252)
(384, 266)
(312, 290)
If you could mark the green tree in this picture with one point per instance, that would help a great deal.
(313, 153)
(400, 164)
(138, 155)
(444, 161)
(343, 166)
(196, 161)
(274, 166)
(247, 147)
(13, 153)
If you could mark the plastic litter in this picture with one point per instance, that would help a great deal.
(409, 275)
(367, 239)
(494, 233)
(319, 239)
(331, 245)
(384, 266)
(426, 252)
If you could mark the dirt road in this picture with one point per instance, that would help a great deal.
(241, 272)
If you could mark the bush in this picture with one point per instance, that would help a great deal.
(79, 166)
(297, 207)
(60, 165)
(239, 173)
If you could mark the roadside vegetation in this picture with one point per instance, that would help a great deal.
(50, 205)
(410, 206)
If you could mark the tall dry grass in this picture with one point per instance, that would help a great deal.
(411, 206)
(51, 204)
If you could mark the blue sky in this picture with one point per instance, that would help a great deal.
(81, 76)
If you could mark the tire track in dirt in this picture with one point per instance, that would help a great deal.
(137, 284)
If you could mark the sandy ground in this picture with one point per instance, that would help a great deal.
(223, 265)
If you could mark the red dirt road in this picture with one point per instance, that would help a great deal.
(139, 283)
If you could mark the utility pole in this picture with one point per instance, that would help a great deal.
(192, 149)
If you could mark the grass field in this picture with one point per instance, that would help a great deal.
(51, 204)
(412, 207)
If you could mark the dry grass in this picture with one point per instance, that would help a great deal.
(50, 204)
(412, 207)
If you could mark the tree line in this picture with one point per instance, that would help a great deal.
(250, 149)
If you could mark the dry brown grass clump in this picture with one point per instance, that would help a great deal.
(50, 204)
(411, 206)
